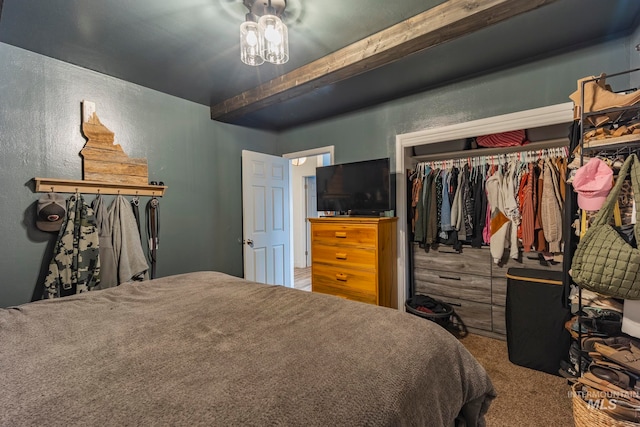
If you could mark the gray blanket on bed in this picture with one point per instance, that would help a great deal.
(211, 349)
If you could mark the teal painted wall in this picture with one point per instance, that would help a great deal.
(199, 159)
(371, 133)
(635, 57)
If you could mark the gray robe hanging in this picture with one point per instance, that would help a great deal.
(130, 258)
(108, 265)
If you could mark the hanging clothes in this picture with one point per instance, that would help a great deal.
(500, 223)
(551, 207)
(457, 208)
(108, 265)
(479, 207)
(416, 191)
(528, 213)
(132, 263)
(445, 217)
(75, 267)
(540, 243)
(511, 210)
(462, 201)
(432, 210)
(467, 203)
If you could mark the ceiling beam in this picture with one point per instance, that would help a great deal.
(445, 22)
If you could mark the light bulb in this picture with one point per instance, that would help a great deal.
(272, 35)
(252, 38)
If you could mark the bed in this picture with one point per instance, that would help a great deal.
(206, 348)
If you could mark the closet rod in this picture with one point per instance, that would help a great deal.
(54, 185)
(477, 152)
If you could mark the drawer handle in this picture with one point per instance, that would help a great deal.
(449, 277)
(341, 276)
(341, 234)
(340, 255)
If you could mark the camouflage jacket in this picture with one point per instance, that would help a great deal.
(75, 266)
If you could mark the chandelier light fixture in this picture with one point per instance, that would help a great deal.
(263, 35)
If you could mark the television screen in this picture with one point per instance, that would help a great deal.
(359, 188)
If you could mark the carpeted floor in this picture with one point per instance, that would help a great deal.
(526, 397)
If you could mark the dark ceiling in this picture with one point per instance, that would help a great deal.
(190, 48)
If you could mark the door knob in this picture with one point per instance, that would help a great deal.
(249, 242)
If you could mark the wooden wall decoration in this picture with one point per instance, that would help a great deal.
(104, 161)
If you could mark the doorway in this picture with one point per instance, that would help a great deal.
(303, 200)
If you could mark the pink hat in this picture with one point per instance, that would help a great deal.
(593, 182)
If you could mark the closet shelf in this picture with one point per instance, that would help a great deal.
(476, 152)
(46, 185)
(612, 143)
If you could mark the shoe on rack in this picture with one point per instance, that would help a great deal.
(621, 409)
(613, 376)
(599, 96)
(627, 357)
(567, 370)
(614, 342)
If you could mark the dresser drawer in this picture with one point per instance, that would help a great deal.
(473, 314)
(345, 293)
(499, 320)
(470, 261)
(345, 256)
(499, 291)
(344, 234)
(356, 283)
(453, 285)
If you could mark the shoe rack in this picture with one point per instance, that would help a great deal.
(611, 131)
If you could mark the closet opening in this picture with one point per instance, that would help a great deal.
(547, 129)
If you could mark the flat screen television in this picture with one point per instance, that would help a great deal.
(358, 188)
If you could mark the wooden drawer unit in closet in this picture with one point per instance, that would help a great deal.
(470, 261)
(355, 258)
(460, 279)
(454, 285)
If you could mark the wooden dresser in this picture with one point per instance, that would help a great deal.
(355, 258)
(471, 282)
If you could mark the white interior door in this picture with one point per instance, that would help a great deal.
(266, 221)
(311, 212)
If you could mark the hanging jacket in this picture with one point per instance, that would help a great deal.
(457, 209)
(132, 264)
(528, 212)
(500, 224)
(511, 209)
(431, 211)
(108, 265)
(75, 267)
(419, 231)
(445, 216)
(551, 207)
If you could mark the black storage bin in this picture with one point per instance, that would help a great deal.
(437, 311)
(535, 317)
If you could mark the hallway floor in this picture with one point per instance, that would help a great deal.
(302, 278)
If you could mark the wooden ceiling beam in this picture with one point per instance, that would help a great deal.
(445, 22)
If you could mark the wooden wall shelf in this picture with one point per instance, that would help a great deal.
(46, 185)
